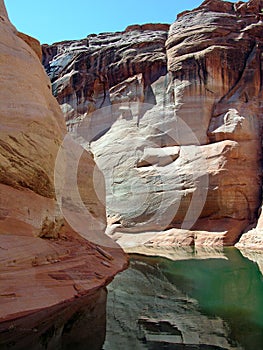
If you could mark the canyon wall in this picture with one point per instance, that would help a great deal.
(173, 116)
(46, 259)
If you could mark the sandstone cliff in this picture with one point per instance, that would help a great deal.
(173, 115)
(45, 259)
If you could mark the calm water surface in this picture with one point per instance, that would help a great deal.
(211, 302)
(199, 300)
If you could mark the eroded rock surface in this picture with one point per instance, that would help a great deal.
(173, 115)
(44, 260)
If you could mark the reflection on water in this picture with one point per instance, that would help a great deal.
(231, 289)
(199, 300)
(189, 303)
(78, 325)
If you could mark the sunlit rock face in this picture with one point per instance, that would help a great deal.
(220, 53)
(173, 115)
(44, 260)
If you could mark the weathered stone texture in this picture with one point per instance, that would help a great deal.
(44, 261)
(173, 115)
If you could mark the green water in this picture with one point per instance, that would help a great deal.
(231, 289)
(212, 303)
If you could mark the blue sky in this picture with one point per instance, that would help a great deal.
(55, 20)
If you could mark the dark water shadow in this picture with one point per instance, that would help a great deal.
(77, 325)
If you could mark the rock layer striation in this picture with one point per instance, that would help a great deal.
(45, 260)
(173, 115)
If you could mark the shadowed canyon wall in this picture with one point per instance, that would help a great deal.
(173, 116)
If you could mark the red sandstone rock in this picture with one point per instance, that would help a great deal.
(38, 273)
(44, 260)
(219, 53)
(148, 26)
(82, 72)
(190, 159)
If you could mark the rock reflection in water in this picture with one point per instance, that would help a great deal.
(78, 325)
(191, 303)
